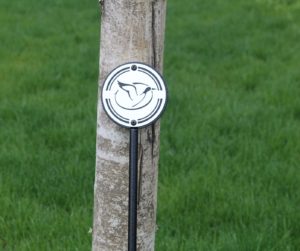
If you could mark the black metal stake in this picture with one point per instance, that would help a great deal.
(127, 108)
(133, 173)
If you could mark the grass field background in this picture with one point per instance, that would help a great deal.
(229, 175)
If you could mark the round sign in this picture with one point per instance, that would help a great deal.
(134, 95)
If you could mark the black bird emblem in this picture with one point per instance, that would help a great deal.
(133, 96)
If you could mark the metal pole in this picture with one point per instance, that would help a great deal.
(133, 166)
(126, 107)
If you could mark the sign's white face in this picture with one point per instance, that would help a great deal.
(134, 95)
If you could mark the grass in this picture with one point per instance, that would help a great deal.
(229, 167)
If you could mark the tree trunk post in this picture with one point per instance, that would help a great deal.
(131, 30)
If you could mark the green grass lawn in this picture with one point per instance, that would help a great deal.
(229, 175)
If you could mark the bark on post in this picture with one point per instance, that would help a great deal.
(131, 30)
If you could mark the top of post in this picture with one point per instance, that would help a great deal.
(134, 95)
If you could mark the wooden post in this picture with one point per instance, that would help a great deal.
(131, 30)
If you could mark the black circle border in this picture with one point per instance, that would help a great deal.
(163, 109)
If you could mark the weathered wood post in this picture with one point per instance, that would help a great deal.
(131, 30)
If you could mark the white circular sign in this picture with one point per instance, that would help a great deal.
(134, 95)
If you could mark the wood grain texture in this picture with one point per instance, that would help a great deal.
(131, 30)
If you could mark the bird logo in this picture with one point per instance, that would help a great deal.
(133, 96)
